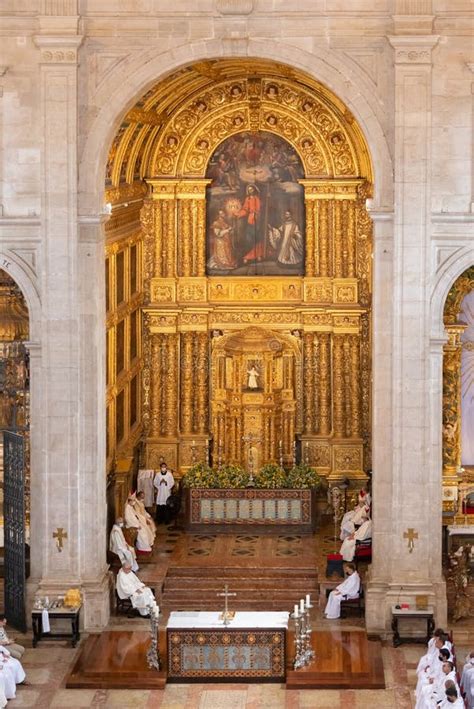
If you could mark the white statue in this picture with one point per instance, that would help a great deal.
(253, 374)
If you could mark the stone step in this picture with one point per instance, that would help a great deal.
(242, 605)
(194, 584)
(238, 572)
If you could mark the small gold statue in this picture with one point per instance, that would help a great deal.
(459, 574)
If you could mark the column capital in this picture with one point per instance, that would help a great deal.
(58, 49)
(413, 49)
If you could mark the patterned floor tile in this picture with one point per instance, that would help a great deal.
(223, 699)
(73, 698)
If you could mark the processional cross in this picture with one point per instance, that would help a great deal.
(226, 615)
(410, 535)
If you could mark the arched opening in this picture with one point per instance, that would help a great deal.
(238, 279)
(14, 447)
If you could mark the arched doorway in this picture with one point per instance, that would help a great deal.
(14, 447)
(177, 158)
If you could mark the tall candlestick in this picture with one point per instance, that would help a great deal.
(296, 610)
(302, 605)
(308, 600)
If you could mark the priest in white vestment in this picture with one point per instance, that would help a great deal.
(434, 671)
(348, 546)
(434, 646)
(12, 672)
(118, 545)
(129, 586)
(435, 690)
(467, 678)
(132, 520)
(164, 482)
(350, 588)
(146, 521)
(452, 700)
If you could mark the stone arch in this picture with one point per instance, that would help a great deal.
(24, 281)
(119, 95)
(450, 271)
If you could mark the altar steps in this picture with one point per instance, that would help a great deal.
(256, 588)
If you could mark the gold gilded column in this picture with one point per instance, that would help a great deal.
(170, 384)
(347, 392)
(338, 385)
(310, 265)
(452, 403)
(337, 240)
(148, 221)
(355, 386)
(156, 385)
(308, 366)
(325, 385)
(186, 382)
(348, 221)
(191, 195)
(163, 198)
(323, 223)
(202, 383)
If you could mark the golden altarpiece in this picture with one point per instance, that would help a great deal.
(308, 335)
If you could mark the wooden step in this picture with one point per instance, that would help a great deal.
(195, 584)
(236, 571)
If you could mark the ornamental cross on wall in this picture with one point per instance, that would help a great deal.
(59, 535)
(410, 535)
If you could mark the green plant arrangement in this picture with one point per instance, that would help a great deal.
(231, 476)
(271, 477)
(302, 476)
(200, 475)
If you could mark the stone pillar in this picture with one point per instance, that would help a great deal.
(407, 480)
(71, 479)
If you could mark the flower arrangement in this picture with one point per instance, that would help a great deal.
(232, 476)
(302, 476)
(271, 477)
(200, 475)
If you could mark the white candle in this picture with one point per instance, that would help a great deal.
(279, 443)
(194, 443)
(302, 605)
(296, 610)
(308, 600)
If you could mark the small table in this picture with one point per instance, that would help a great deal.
(324, 587)
(72, 614)
(406, 613)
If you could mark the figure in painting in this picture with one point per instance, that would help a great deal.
(255, 186)
(222, 257)
(287, 240)
(253, 375)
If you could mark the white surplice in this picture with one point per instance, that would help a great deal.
(350, 588)
(12, 671)
(347, 525)
(432, 693)
(163, 484)
(119, 546)
(133, 520)
(130, 586)
(349, 545)
(458, 704)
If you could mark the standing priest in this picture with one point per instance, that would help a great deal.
(164, 482)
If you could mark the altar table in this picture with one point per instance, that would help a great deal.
(251, 647)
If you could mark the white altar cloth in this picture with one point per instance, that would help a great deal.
(242, 619)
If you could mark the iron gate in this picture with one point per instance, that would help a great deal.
(14, 528)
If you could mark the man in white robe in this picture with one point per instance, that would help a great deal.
(347, 525)
(118, 545)
(12, 672)
(146, 521)
(129, 586)
(348, 546)
(288, 240)
(164, 482)
(435, 690)
(467, 673)
(361, 514)
(434, 672)
(452, 700)
(350, 588)
(132, 521)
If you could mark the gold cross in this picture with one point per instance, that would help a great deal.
(410, 535)
(226, 616)
(59, 535)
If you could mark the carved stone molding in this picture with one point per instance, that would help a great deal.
(413, 49)
(58, 49)
(234, 7)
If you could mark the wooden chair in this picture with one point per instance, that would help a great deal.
(353, 603)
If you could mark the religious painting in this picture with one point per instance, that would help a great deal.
(255, 208)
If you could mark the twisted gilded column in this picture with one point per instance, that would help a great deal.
(309, 393)
(310, 264)
(191, 195)
(452, 403)
(355, 428)
(202, 382)
(338, 385)
(325, 385)
(156, 385)
(186, 382)
(170, 386)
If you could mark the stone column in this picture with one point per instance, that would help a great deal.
(71, 479)
(407, 482)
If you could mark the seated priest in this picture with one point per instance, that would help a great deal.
(132, 521)
(164, 483)
(349, 588)
(118, 545)
(11, 671)
(15, 650)
(129, 586)
(348, 546)
(145, 518)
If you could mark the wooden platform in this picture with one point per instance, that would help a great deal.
(115, 660)
(344, 660)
